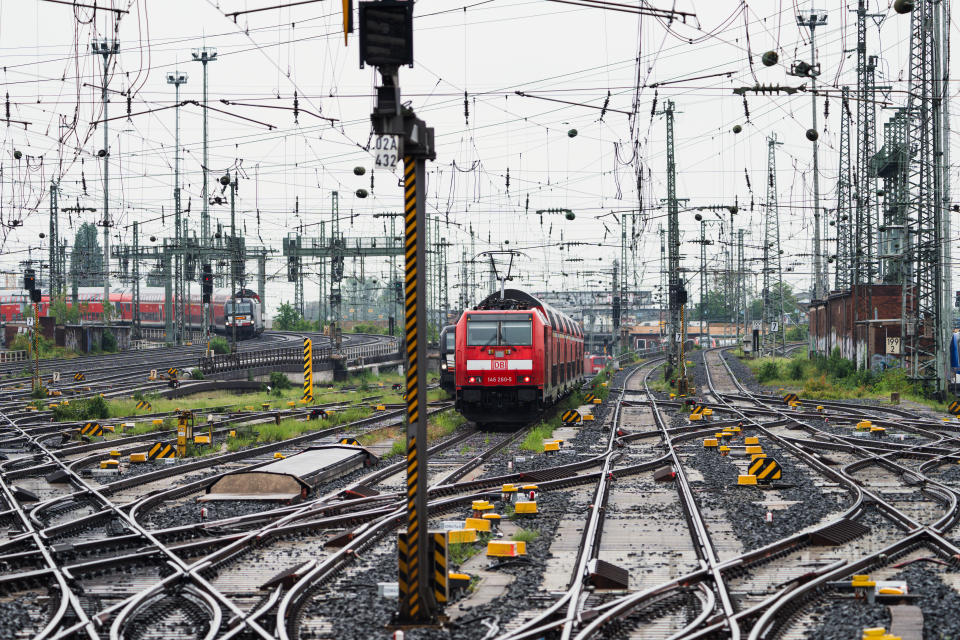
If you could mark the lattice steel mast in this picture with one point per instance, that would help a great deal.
(773, 330)
(926, 339)
(843, 275)
(676, 292)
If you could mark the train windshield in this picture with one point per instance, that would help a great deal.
(242, 308)
(451, 342)
(516, 334)
(481, 334)
(493, 331)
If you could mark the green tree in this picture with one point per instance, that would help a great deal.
(288, 319)
(790, 306)
(717, 308)
(64, 313)
(86, 259)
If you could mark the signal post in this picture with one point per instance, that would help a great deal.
(386, 42)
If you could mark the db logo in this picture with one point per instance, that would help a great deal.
(500, 365)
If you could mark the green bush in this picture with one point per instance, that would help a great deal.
(219, 345)
(108, 342)
(795, 370)
(796, 334)
(196, 374)
(279, 381)
(768, 371)
(94, 408)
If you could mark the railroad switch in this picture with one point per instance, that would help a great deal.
(724, 450)
(551, 447)
(710, 442)
(746, 479)
(751, 449)
(751, 440)
(508, 493)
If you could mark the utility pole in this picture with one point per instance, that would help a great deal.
(234, 247)
(741, 285)
(137, 328)
(389, 27)
(813, 19)
(703, 242)
(56, 266)
(677, 293)
(845, 245)
(177, 78)
(773, 331)
(615, 308)
(205, 55)
(106, 49)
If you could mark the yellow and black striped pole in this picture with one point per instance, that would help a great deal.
(416, 598)
(308, 370)
(37, 382)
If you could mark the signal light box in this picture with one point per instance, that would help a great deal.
(386, 33)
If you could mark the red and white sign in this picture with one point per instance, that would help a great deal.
(499, 365)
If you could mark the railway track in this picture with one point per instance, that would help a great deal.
(636, 489)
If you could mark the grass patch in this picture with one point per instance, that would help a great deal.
(835, 378)
(534, 440)
(526, 535)
(460, 552)
(277, 398)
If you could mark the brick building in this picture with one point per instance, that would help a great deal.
(858, 322)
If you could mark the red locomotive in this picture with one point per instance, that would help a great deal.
(515, 356)
(15, 303)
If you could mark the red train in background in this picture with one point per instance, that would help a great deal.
(594, 364)
(14, 303)
(515, 356)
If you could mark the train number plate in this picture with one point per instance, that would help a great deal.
(495, 379)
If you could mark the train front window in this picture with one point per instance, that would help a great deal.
(516, 334)
(242, 308)
(451, 345)
(481, 334)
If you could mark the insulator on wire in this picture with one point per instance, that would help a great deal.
(129, 101)
(508, 179)
(466, 108)
(826, 108)
(653, 107)
(746, 109)
(296, 108)
(746, 175)
(8, 107)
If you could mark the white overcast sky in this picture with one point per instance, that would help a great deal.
(488, 49)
